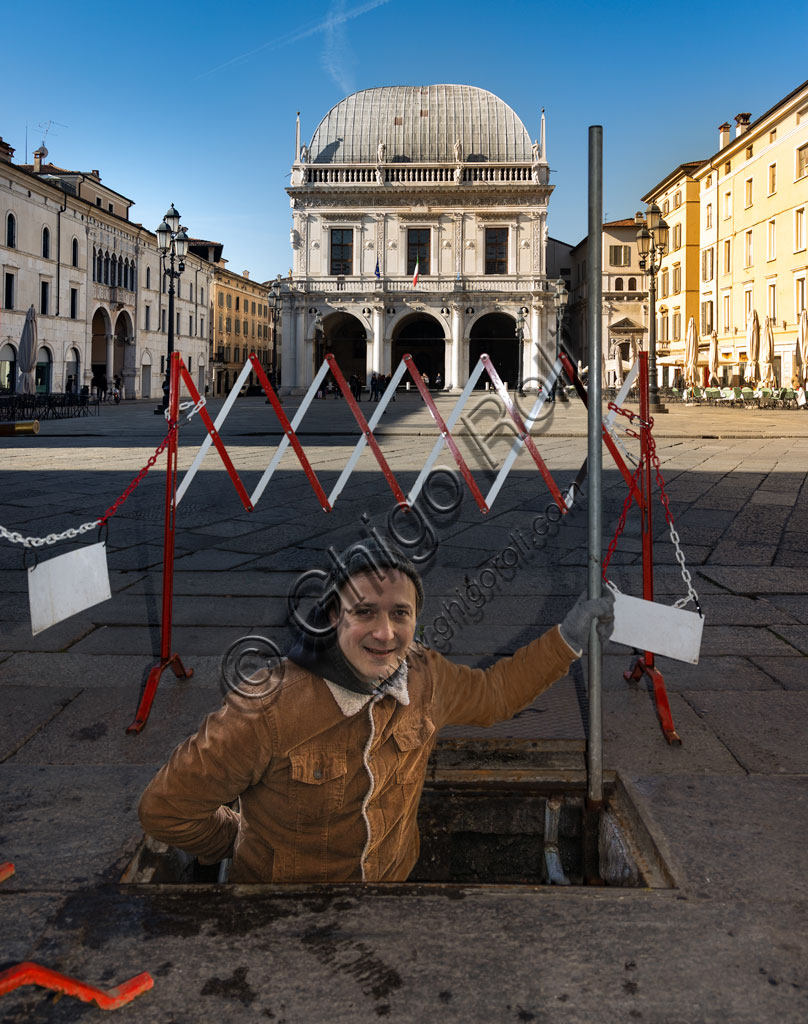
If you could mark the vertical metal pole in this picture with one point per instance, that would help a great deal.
(594, 288)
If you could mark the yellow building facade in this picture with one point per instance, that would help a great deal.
(753, 195)
(678, 293)
(241, 323)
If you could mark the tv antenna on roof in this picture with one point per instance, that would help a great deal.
(45, 127)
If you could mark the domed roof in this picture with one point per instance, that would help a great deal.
(420, 125)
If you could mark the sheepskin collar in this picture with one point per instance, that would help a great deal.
(351, 703)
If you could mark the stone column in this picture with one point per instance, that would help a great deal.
(287, 347)
(110, 371)
(376, 349)
(459, 372)
(302, 372)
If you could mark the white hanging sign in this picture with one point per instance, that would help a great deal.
(67, 584)
(660, 628)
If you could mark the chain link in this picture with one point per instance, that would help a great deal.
(73, 532)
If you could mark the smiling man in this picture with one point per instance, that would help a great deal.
(325, 756)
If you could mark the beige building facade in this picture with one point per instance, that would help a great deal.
(95, 280)
(678, 294)
(624, 310)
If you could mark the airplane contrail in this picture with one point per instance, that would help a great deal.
(296, 35)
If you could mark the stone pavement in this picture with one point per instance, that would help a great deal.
(727, 944)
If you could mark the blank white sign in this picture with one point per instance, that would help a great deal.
(659, 628)
(67, 584)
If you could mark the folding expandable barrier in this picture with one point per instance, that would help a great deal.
(522, 426)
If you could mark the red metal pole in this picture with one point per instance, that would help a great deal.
(167, 659)
(645, 663)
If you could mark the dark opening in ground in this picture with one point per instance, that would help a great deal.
(494, 828)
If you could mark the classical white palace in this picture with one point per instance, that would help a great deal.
(443, 180)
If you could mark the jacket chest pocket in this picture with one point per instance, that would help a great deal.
(413, 743)
(317, 783)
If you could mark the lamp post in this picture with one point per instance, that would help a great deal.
(652, 242)
(274, 303)
(172, 244)
(560, 302)
(520, 337)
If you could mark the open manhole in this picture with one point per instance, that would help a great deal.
(494, 826)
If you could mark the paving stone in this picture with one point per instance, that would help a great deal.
(729, 552)
(633, 739)
(124, 670)
(16, 634)
(796, 636)
(746, 641)
(714, 824)
(24, 712)
(92, 727)
(39, 802)
(736, 719)
(209, 560)
(795, 606)
(790, 673)
(757, 579)
(723, 672)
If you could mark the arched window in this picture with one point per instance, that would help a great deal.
(133, 275)
(75, 252)
(618, 284)
(106, 268)
(11, 231)
(632, 284)
(148, 277)
(46, 243)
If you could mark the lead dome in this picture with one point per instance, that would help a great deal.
(421, 124)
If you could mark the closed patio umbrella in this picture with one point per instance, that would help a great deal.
(26, 358)
(802, 347)
(752, 348)
(713, 358)
(767, 354)
(691, 352)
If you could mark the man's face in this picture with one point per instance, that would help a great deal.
(377, 622)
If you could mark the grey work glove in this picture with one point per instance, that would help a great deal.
(575, 627)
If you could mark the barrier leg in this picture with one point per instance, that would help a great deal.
(167, 659)
(28, 973)
(645, 663)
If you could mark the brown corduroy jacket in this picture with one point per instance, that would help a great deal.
(328, 781)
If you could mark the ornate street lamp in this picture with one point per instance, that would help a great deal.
(652, 243)
(274, 303)
(560, 302)
(172, 245)
(520, 337)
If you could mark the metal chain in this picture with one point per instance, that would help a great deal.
(654, 458)
(680, 558)
(73, 532)
(52, 538)
(158, 452)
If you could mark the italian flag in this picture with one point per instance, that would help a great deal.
(415, 275)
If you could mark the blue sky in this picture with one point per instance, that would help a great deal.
(178, 103)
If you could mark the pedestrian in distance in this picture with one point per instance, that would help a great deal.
(103, 388)
(312, 770)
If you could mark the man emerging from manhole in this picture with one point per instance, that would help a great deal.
(313, 772)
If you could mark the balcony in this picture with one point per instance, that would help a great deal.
(417, 174)
(368, 284)
(113, 296)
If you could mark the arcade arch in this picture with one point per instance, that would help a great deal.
(346, 337)
(495, 334)
(423, 337)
